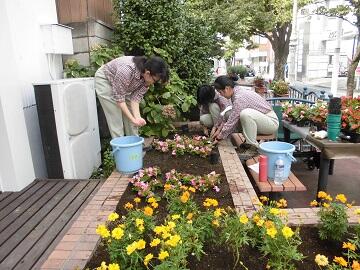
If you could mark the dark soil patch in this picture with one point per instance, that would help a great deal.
(218, 257)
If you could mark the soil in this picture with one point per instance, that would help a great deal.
(218, 257)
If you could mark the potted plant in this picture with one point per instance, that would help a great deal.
(350, 110)
(318, 113)
(296, 113)
(259, 85)
(280, 88)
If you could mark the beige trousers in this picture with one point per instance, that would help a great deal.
(119, 124)
(254, 122)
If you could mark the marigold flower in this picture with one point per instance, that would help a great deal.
(171, 225)
(355, 265)
(173, 240)
(256, 218)
(102, 231)
(167, 187)
(113, 266)
(274, 211)
(260, 222)
(313, 203)
(137, 200)
(321, 260)
(103, 266)
(264, 199)
(282, 203)
(244, 219)
(189, 216)
(128, 206)
(151, 200)
(357, 211)
(113, 216)
(210, 202)
(217, 212)
(271, 232)
(348, 245)
(117, 233)
(139, 221)
(155, 242)
(163, 255)
(191, 189)
(341, 261)
(175, 217)
(185, 197)
(287, 232)
(216, 223)
(269, 224)
(326, 205)
(148, 211)
(154, 205)
(131, 248)
(148, 258)
(322, 195)
(140, 244)
(341, 197)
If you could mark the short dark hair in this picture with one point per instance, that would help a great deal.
(205, 94)
(155, 64)
(222, 81)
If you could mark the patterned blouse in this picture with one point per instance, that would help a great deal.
(125, 79)
(243, 99)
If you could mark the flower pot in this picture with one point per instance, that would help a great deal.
(261, 90)
(303, 123)
(354, 137)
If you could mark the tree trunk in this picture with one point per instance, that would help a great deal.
(351, 72)
(280, 43)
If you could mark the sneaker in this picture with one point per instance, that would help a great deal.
(247, 151)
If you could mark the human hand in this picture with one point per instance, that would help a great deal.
(212, 133)
(139, 122)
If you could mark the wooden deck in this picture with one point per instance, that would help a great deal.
(33, 220)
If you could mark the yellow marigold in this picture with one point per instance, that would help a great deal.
(165, 235)
(271, 232)
(140, 244)
(117, 233)
(264, 198)
(184, 187)
(185, 197)
(113, 266)
(189, 216)
(137, 200)
(348, 245)
(216, 223)
(148, 258)
(163, 255)
(131, 248)
(217, 212)
(171, 225)
(139, 221)
(167, 187)
(274, 211)
(321, 260)
(282, 203)
(244, 219)
(355, 265)
(210, 202)
(328, 197)
(128, 206)
(322, 195)
(175, 217)
(155, 242)
(326, 205)
(148, 211)
(113, 216)
(341, 261)
(191, 189)
(341, 198)
(357, 211)
(287, 232)
(313, 203)
(154, 205)
(102, 231)
(269, 224)
(151, 200)
(260, 222)
(103, 266)
(349, 205)
(141, 228)
(159, 229)
(173, 240)
(256, 218)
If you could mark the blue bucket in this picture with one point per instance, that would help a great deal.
(273, 150)
(128, 153)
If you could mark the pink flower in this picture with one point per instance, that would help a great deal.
(173, 152)
(216, 188)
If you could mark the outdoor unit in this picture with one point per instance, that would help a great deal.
(69, 127)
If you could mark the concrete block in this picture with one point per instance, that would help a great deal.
(83, 58)
(80, 29)
(81, 44)
(96, 41)
(98, 29)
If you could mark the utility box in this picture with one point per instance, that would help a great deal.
(57, 39)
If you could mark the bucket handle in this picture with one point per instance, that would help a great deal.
(292, 158)
(115, 150)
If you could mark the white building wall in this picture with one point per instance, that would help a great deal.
(24, 62)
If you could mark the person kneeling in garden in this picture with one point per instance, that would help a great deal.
(120, 86)
(251, 113)
(211, 104)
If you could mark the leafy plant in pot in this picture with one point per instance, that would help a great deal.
(280, 88)
(259, 85)
(350, 110)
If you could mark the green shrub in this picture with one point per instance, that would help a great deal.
(239, 70)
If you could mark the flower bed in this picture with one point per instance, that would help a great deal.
(217, 255)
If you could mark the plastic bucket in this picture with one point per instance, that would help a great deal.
(128, 153)
(273, 150)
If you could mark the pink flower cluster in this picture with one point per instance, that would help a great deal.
(145, 181)
(197, 145)
(201, 183)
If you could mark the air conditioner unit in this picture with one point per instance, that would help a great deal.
(69, 127)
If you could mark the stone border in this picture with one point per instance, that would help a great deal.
(81, 240)
(244, 194)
